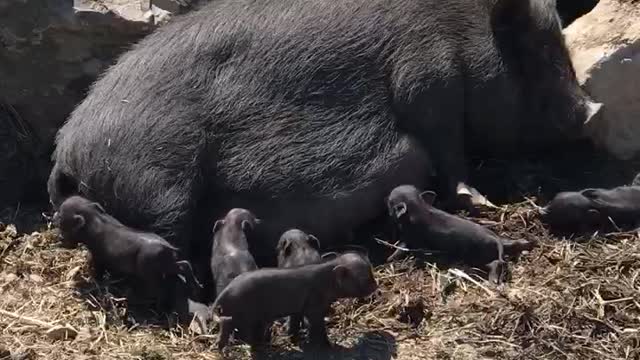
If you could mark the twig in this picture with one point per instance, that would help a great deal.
(27, 320)
(10, 246)
(532, 203)
(53, 331)
(461, 274)
(614, 224)
(393, 246)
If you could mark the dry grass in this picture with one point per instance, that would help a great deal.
(567, 299)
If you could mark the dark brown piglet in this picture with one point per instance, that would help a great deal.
(230, 254)
(119, 249)
(254, 299)
(420, 224)
(594, 208)
(297, 248)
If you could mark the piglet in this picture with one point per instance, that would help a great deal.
(254, 299)
(593, 208)
(571, 211)
(419, 223)
(297, 248)
(120, 249)
(230, 254)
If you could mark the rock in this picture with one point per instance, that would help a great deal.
(36, 278)
(605, 48)
(50, 52)
(62, 332)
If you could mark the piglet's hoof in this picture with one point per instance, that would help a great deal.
(497, 271)
(320, 343)
(198, 325)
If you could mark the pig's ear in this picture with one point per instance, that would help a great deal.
(78, 222)
(342, 273)
(246, 225)
(399, 209)
(218, 225)
(315, 243)
(428, 196)
(98, 207)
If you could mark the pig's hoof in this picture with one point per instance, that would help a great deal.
(470, 199)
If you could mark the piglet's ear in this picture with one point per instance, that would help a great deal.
(329, 256)
(246, 225)
(428, 196)
(342, 273)
(590, 193)
(218, 225)
(315, 243)
(78, 222)
(98, 207)
(286, 248)
(400, 209)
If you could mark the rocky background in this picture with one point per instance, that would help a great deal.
(52, 50)
(50, 53)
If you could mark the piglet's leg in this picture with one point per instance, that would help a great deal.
(317, 328)
(497, 271)
(260, 335)
(226, 327)
(294, 327)
(515, 247)
(99, 269)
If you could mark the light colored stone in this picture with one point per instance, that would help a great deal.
(605, 48)
(50, 52)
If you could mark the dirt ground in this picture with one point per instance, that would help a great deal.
(568, 299)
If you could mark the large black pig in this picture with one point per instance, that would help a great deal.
(310, 112)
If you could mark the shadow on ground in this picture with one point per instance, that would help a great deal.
(373, 345)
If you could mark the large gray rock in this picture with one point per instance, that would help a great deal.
(605, 47)
(50, 52)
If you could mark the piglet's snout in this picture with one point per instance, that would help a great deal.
(372, 287)
(55, 219)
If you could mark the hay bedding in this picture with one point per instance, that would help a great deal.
(567, 299)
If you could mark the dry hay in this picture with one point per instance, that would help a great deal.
(567, 299)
